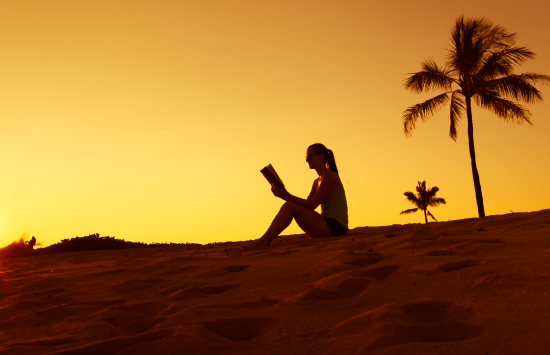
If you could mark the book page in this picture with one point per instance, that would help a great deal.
(271, 176)
(270, 167)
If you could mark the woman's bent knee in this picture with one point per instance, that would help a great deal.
(289, 204)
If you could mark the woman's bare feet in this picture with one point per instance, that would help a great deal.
(255, 245)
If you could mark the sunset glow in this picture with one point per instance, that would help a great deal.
(150, 120)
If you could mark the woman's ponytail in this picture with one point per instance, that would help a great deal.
(331, 161)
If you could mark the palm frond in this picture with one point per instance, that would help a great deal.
(421, 194)
(490, 39)
(458, 106)
(455, 56)
(515, 55)
(497, 36)
(431, 215)
(503, 108)
(468, 44)
(409, 211)
(412, 198)
(438, 201)
(431, 77)
(520, 86)
(430, 193)
(423, 111)
(500, 63)
(492, 66)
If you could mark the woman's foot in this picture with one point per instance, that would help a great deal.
(255, 245)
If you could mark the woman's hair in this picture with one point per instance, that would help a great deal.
(328, 155)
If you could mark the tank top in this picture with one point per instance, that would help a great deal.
(335, 204)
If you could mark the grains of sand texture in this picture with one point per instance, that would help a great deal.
(473, 286)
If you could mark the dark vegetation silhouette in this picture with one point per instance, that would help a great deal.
(92, 242)
(21, 246)
(423, 199)
(96, 242)
(89, 242)
(479, 66)
(31, 243)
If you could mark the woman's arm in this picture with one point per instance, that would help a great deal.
(313, 190)
(328, 181)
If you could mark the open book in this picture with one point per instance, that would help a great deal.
(271, 175)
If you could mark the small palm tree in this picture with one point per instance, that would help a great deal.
(480, 67)
(423, 199)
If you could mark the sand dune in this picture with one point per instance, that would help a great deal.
(474, 286)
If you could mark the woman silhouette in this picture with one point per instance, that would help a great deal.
(327, 191)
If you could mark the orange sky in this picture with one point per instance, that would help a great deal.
(150, 120)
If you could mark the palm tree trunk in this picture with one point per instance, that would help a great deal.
(477, 184)
(425, 216)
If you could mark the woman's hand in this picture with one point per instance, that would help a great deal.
(281, 193)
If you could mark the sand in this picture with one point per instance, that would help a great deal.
(474, 286)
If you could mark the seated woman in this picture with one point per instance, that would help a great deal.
(327, 191)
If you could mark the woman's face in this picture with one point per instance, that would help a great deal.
(314, 159)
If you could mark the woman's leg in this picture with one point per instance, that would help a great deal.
(310, 221)
(275, 219)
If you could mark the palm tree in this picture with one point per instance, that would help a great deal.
(423, 199)
(479, 66)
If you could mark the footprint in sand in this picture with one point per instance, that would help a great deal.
(422, 322)
(470, 252)
(49, 292)
(131, 322)
(150, 309)
(380, 273)
(136, 285)
(333, 288)
(47, 342)
(100, 274)
(177, 270)
(26, 305)
(442, 252)
(339, 286)
(315, 295)
(286, 252)
(240, 329)
(119, 344)
(243, 305)
(236, 268)
(364, 259)
(218, 271)
(104, 303)
(470, 247)
(344, 260)
(199, 292)
(449, 267)
(490, 241)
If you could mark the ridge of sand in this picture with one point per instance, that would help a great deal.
(477, 286)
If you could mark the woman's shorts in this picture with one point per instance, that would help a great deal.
(335, 228)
